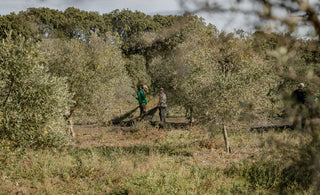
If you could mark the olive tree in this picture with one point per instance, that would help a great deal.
(33, 101)
(136, 68)
(294, 17)
(95, 73)
(218, 76)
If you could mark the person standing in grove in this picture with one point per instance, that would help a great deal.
(299, 97)
(142, 97)
(317, 96)
(162, 105)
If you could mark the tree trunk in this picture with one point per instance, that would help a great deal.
(68, 118)
(70, 128)
(226, 139)
(9, 93)
(191, 115)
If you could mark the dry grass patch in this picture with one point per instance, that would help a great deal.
(115, 160)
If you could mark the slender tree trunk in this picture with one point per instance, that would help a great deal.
(226, 139)
(70, 122)
(70, 128)
(191, 115)
(9, 93)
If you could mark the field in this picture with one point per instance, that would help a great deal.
(147, 160)
(72, 66)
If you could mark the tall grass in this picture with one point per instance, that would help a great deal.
(176, 162)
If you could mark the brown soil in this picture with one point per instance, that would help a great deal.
(94, 136)
(208, 150)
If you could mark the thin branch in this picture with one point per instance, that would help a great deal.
(9, 93)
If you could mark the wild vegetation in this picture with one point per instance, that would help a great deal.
(113, 160)
(62, 65)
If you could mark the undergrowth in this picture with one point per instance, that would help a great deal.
(177, 162)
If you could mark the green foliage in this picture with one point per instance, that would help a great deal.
(219, 76)
(33, 102)
(94, 75)
(136, 68)
(95, 63)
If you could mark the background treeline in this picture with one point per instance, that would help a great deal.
(56, 65)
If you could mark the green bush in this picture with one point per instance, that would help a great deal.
(33, 102)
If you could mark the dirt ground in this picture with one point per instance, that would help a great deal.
(94, 136)
(204, 150)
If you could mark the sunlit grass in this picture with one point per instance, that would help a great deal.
(167, 162)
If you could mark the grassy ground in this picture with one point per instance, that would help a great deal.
(146, 160)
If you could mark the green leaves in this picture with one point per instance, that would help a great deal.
(94, 72)
(33, 102)
(214, 74)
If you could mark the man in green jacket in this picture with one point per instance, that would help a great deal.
(143, 100)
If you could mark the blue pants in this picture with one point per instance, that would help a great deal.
(162, 114)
